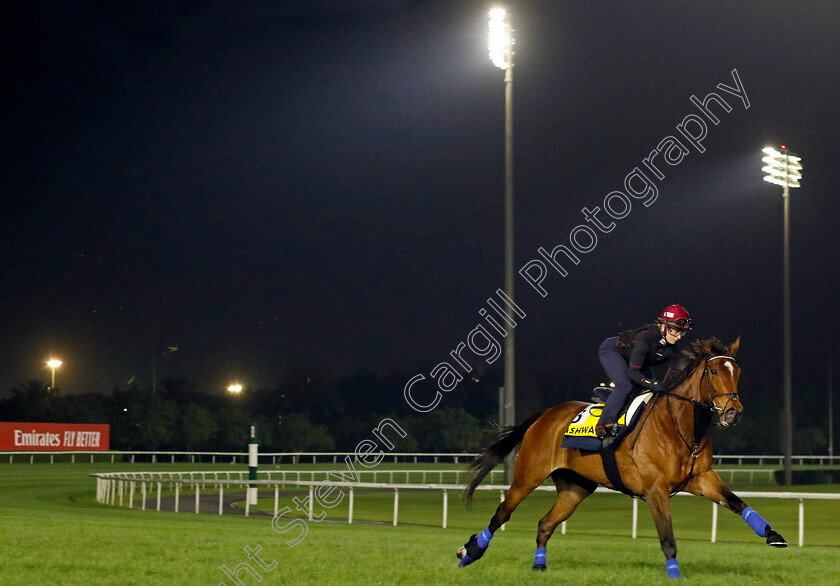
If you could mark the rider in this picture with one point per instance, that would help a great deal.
(628, 357)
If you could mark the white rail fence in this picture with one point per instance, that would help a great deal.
(335, 457)
(115, 487)
(231, 457)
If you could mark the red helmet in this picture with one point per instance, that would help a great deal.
(675, 316)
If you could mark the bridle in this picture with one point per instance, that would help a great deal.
(710, 404)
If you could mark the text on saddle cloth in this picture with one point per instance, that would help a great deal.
(583, 425)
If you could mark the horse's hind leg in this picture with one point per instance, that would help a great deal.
(478, 544)
(571, 490)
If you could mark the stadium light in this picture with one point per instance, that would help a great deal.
(53, 364)
(501, 54)
(785, 169)
(235, 388)
(501, 39)
(782, 168)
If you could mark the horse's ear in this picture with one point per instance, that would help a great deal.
(733, 348)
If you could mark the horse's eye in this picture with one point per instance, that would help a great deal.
(714, 371)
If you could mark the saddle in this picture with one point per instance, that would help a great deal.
(581, 431)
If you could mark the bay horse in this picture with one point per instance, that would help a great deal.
(668, 451)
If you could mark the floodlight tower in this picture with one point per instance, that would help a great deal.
(501, 54)
(785, 169)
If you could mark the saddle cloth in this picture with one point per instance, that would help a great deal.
(581, 431)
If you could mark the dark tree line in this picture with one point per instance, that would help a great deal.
(307, 412)
(312, 412)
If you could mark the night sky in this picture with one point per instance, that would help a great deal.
(278, 187)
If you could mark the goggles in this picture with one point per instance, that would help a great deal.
(681, 323)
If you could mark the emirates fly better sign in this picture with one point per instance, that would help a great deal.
(53, 437)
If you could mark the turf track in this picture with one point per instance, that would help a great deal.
(54, 533)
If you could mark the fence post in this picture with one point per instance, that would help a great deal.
(801, 522)
(177, 495)
(158, 494)
(221, 497)
(635, 517)
(276, 499)
(253, 457)
(196, 497)
(143, 489)
(350, 512)
(502, 499)
(445, 508)
(714, 522)
(396, 505)
(311, 502)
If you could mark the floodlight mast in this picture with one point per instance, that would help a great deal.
(783, 168)
(501, 54)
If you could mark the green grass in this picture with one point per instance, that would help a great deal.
(55, 533)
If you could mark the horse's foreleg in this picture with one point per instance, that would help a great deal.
(659, 500)
(712, 487)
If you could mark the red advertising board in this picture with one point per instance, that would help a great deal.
(53, 437)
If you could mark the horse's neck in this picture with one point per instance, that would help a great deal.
(668, 412)
(690, 388)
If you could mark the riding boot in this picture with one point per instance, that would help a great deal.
(602, 430)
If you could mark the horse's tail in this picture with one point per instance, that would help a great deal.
(491, 456)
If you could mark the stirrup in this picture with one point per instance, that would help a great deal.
(602, 430)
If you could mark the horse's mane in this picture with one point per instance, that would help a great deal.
(690, 358)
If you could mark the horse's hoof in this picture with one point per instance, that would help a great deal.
(775, 539)
(470, 550)
(540, 567)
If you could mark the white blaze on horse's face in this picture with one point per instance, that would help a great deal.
(722, 373)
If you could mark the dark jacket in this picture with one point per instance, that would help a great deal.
(642, 348)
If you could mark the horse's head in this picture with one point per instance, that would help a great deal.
(719, 383)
